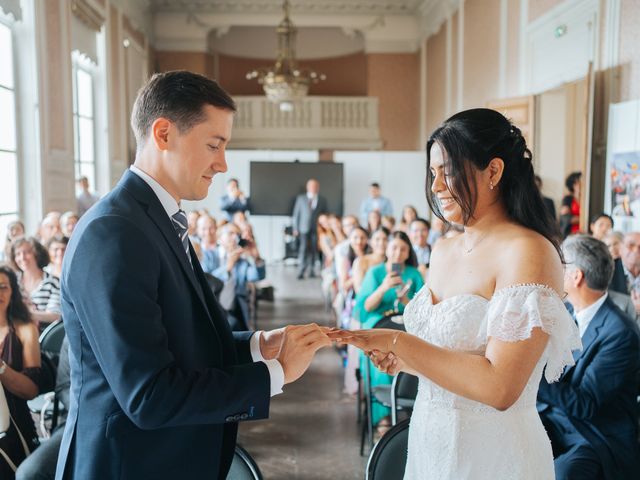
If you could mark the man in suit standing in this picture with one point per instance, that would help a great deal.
(591, 414)
(306, 210)
(158, 381)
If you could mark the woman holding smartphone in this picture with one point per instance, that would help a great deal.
(386, 289)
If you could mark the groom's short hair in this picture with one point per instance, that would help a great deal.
(178, 96)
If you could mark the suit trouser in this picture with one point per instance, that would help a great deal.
(307, 250)
(574, 458)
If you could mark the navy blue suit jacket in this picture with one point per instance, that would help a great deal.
(596, 398)
(158, 381)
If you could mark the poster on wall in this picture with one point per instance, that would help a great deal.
(625, 185)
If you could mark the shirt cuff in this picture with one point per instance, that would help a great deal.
(276, 373)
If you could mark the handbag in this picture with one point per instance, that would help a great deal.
(5, 423)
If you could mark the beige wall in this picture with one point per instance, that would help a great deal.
(481, 52)
(394, 79)
(537, 8)
(436, 79)
(197, 62)
(513, 49)
(630, 50)
(346, 75)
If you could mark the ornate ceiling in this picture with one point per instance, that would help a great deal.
(367, 7)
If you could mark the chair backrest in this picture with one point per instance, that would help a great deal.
(393, 322)
(243, 466)
(388, 458)
(406, 386)
(51, 340)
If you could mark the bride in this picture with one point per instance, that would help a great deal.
(491, 316)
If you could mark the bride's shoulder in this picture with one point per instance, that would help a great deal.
(532, 259)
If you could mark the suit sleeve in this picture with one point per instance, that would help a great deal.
(612, 369)
(113, 283)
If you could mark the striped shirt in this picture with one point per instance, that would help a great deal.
(46, 296)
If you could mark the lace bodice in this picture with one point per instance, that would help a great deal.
(452, 437)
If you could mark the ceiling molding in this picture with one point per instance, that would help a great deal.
(366, 7)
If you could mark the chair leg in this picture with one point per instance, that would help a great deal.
(359, 395)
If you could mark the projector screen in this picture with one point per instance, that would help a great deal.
(275, 185)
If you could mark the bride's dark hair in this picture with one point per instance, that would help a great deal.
(470, 140)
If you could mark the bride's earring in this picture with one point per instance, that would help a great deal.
(491, 185)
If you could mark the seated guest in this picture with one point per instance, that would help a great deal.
(15, 230)
(374, 221)
(207, 233)
(375, 202)
(419, 234)
(358, 247)
(192, 225)
(19, 372)
(237, 266)
(361, 265)
(68, 222)
(41, 464)
(41, 288)
(388, 222)
(336, 227)
(234, 200)
(56, 247)
(345, 300)
(600, 226)
(630, 255)
(591, 414)
(387, 289)
(49, 227)
(613, 241)
(409, 214)
(349, 222)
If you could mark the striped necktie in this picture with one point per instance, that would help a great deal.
(180, 223)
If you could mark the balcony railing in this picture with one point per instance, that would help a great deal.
(316, 123)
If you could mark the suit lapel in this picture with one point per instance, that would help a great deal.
(591, 333)
(143, 193)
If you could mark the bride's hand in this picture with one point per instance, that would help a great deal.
(386, 362)
(381, 339)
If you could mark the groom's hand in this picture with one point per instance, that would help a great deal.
(271, 343)
(299, 345)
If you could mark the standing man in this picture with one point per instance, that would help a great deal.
(85, 198)
(306, 210)
(158, 381)
(375, 201)
(591, 414)
(234, 200)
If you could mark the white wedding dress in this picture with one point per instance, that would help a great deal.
(454, 438)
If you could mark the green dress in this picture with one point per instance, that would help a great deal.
(372, 280)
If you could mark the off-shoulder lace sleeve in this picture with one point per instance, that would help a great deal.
(514, 311)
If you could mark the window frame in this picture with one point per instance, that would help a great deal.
(81, 63)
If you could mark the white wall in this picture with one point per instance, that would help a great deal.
(400, 174)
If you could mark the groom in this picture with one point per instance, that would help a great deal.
(158, 381)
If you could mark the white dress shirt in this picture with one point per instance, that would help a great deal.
(171, 207)
(584, 316)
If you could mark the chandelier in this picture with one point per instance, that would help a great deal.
(285, 83)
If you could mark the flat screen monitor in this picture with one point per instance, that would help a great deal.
(275, 185)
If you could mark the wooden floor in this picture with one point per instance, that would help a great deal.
(312, 432)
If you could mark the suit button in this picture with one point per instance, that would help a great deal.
(244, 416)
(229, 419)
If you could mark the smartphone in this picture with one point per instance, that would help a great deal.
(396, 268)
